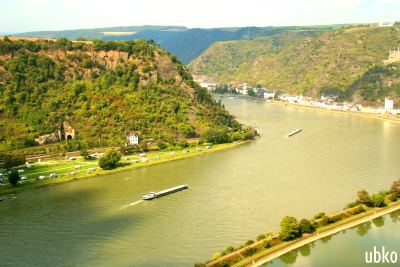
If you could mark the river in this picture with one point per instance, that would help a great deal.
(234, 195)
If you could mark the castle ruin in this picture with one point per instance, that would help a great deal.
(394, 56)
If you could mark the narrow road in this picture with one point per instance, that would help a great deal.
(322, 234)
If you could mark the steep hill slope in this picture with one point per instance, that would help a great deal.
(330, 61)
(103, 90)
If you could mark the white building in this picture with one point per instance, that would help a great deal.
(386, 24)
(132, 139)
(388, 105)
(268, 95)
(209, 86)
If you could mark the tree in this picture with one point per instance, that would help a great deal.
(12, 161)
(306, 226)
(290, 229)
(85, 154)
(377, 200)
(364, 198)
(396, 188)
(110, 159)
(13, 178)
(215, 136)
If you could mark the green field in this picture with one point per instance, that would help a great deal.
(64, 167)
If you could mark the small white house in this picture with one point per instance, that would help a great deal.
(132, 139)
(388, 105)
(269, 95)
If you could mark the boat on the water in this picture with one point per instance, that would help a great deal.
(153, 195)
(296, 131)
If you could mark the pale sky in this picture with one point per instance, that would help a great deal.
(35, 15)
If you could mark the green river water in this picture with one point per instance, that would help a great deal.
(234, 195)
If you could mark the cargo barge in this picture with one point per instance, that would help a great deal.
(293, 132)
(153, 195)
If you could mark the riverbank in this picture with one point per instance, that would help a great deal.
(262, 258)
(73, 170)
(270, 248)
(356, 113)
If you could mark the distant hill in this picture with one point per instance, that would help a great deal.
(102, 90)
(185, 43)
(334, 61)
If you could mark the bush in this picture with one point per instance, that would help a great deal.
(290, 229)
(162, 146)
(250, 251)
(13, 178)
(393, 197)
(110, 160)
(249, 242)
(319, 215)
(306, 226)
(260, 237)
(266, 244)
(378, 200)
(230, 249)
(325, 220)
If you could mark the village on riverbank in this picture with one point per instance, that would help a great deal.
(387, 109)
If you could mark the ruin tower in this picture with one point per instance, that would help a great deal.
(67, 131)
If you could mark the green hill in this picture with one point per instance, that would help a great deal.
(331, 61)
(103, 90)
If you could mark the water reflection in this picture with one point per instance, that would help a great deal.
(289, 258)
(363, 229)
(379, 222)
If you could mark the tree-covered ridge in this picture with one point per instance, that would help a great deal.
(328, 61)
(104, 90)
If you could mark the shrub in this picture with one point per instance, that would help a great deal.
(393, 197)
(110, 160)
(249, 242)
(250, 251)
(260, 237)
(230, 249)
(325, 220)
(162, 146)
(13, 178)
(319, 215)
(266, 244)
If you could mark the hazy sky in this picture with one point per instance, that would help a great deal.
(31, 15)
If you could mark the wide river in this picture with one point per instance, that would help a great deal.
(234, 195)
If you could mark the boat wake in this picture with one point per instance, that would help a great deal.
(131, 204)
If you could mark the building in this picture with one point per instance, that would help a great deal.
(269, 95)
(132, 139)
(388, 105)
(386, 24)
(209, 86)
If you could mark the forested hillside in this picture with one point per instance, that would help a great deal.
(333, 61)
(103, 90)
